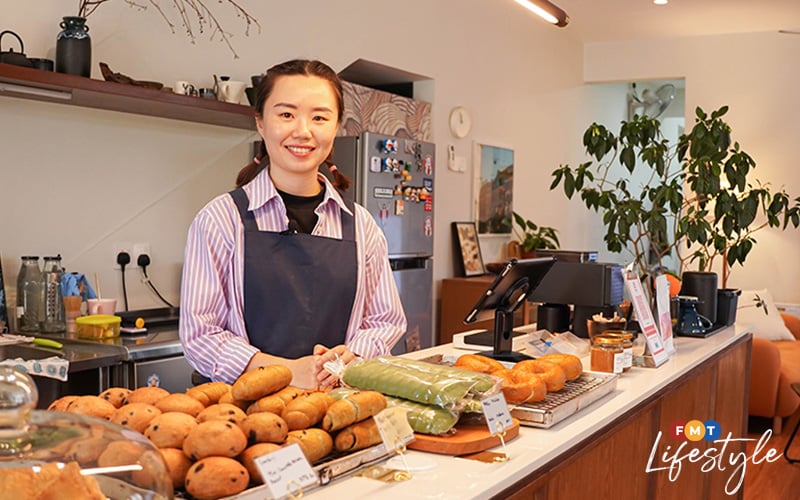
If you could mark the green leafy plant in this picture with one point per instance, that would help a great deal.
(533, 237)
(699, 200)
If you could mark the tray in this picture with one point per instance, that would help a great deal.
(469, 438)
(575, 395)
(327, 471)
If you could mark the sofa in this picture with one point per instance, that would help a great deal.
(775, 366)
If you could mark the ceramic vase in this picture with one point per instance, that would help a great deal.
(74, 47)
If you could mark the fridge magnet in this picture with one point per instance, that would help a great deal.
(493, 185)
(467, 249)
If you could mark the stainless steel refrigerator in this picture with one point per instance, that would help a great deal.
(393, 178)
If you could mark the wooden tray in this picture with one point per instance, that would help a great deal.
(469, 438)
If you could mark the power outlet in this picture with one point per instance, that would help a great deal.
(123, 246)
(141, 249)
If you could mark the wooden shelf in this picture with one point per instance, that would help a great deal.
(48, 86)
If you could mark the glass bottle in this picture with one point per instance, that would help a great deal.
(54, 318)
(29, 295)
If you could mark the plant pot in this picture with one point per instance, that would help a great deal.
(727, 301)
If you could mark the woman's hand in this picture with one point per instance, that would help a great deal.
(322, 355)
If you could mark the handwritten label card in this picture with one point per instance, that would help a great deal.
(393, 425)
(286, 471)
(645, 317)
(495, 410)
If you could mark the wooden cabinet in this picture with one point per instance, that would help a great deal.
(458, 297)
(47, 86)
(611, 464)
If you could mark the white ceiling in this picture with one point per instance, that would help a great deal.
(611, 20)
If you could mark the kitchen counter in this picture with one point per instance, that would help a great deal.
(155, 343)
(571, 459)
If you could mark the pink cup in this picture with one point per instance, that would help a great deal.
(101, 306)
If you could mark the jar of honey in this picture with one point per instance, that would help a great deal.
(608, 353)
(627, 347)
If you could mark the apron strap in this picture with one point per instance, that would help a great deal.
(248, 219)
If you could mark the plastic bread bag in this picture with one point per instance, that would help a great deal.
(426, 419)
(419, 381)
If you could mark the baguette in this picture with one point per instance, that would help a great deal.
(261, 382)
(315, 443)
(357, 436)
(353, 408)
(307, 410)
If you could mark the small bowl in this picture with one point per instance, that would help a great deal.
(98, 326)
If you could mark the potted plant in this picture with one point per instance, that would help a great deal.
(699, 201)
(532, 237)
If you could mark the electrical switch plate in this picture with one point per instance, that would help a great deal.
(123, 246)
(141, 249)
(451, 157)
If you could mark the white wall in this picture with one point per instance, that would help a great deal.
(76, 181)
(753, 74)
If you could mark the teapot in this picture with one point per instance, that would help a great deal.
(689, 320)
(11, 57)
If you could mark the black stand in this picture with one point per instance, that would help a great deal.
(502, 349)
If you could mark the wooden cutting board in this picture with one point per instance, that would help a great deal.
(469, 438)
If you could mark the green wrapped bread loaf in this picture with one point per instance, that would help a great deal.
(425, 419)
(418, 381)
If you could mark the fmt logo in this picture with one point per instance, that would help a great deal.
(695, 430)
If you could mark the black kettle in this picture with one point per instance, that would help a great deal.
(11, 57)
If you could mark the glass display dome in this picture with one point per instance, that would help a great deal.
(48, 454)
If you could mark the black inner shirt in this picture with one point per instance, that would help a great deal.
(300, 210)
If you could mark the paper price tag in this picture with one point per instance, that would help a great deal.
(645, 316)
(394, 428)
(286, 471)
(495, 410)
(664, 317)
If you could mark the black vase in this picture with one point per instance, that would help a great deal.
(74, 47)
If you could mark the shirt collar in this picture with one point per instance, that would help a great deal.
(261, 191)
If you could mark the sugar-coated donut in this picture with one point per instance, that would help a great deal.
(478, 363)
(520, 386)
(553, 375)
(570, 363)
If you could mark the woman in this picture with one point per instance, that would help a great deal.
(283, 270)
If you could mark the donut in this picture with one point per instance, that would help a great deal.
(553, 375)
(570, 363)
(520, 386)
(478, 363)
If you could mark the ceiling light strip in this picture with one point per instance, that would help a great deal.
(547, 11)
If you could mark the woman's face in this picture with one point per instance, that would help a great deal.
(298, 124)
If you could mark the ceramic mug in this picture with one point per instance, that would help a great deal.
(231, 91)
(101, 306)
(184, 87)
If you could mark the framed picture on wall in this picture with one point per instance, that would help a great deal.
(494, 185)
(468, 249)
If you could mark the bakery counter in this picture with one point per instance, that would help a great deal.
(705, 380)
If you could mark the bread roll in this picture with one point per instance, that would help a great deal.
(180, 403)
(353, 408)
(315, 443)
(261, 382)
(222, 411)
(249, 455)
(149, 395)
(216, 477)
(307, 410)
(275, 403)
(214, 438)
(357, 436)
(264, 427)
(208, 393)
(177, 465)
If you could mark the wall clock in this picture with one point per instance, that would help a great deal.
(460, 122)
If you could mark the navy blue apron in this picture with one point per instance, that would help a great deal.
(298, 288)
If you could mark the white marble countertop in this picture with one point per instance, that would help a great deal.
(455, 478)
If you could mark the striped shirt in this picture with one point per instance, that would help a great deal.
(212, 328)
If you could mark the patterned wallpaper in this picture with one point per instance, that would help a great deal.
(370, 110)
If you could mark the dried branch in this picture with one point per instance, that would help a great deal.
(188, 12)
